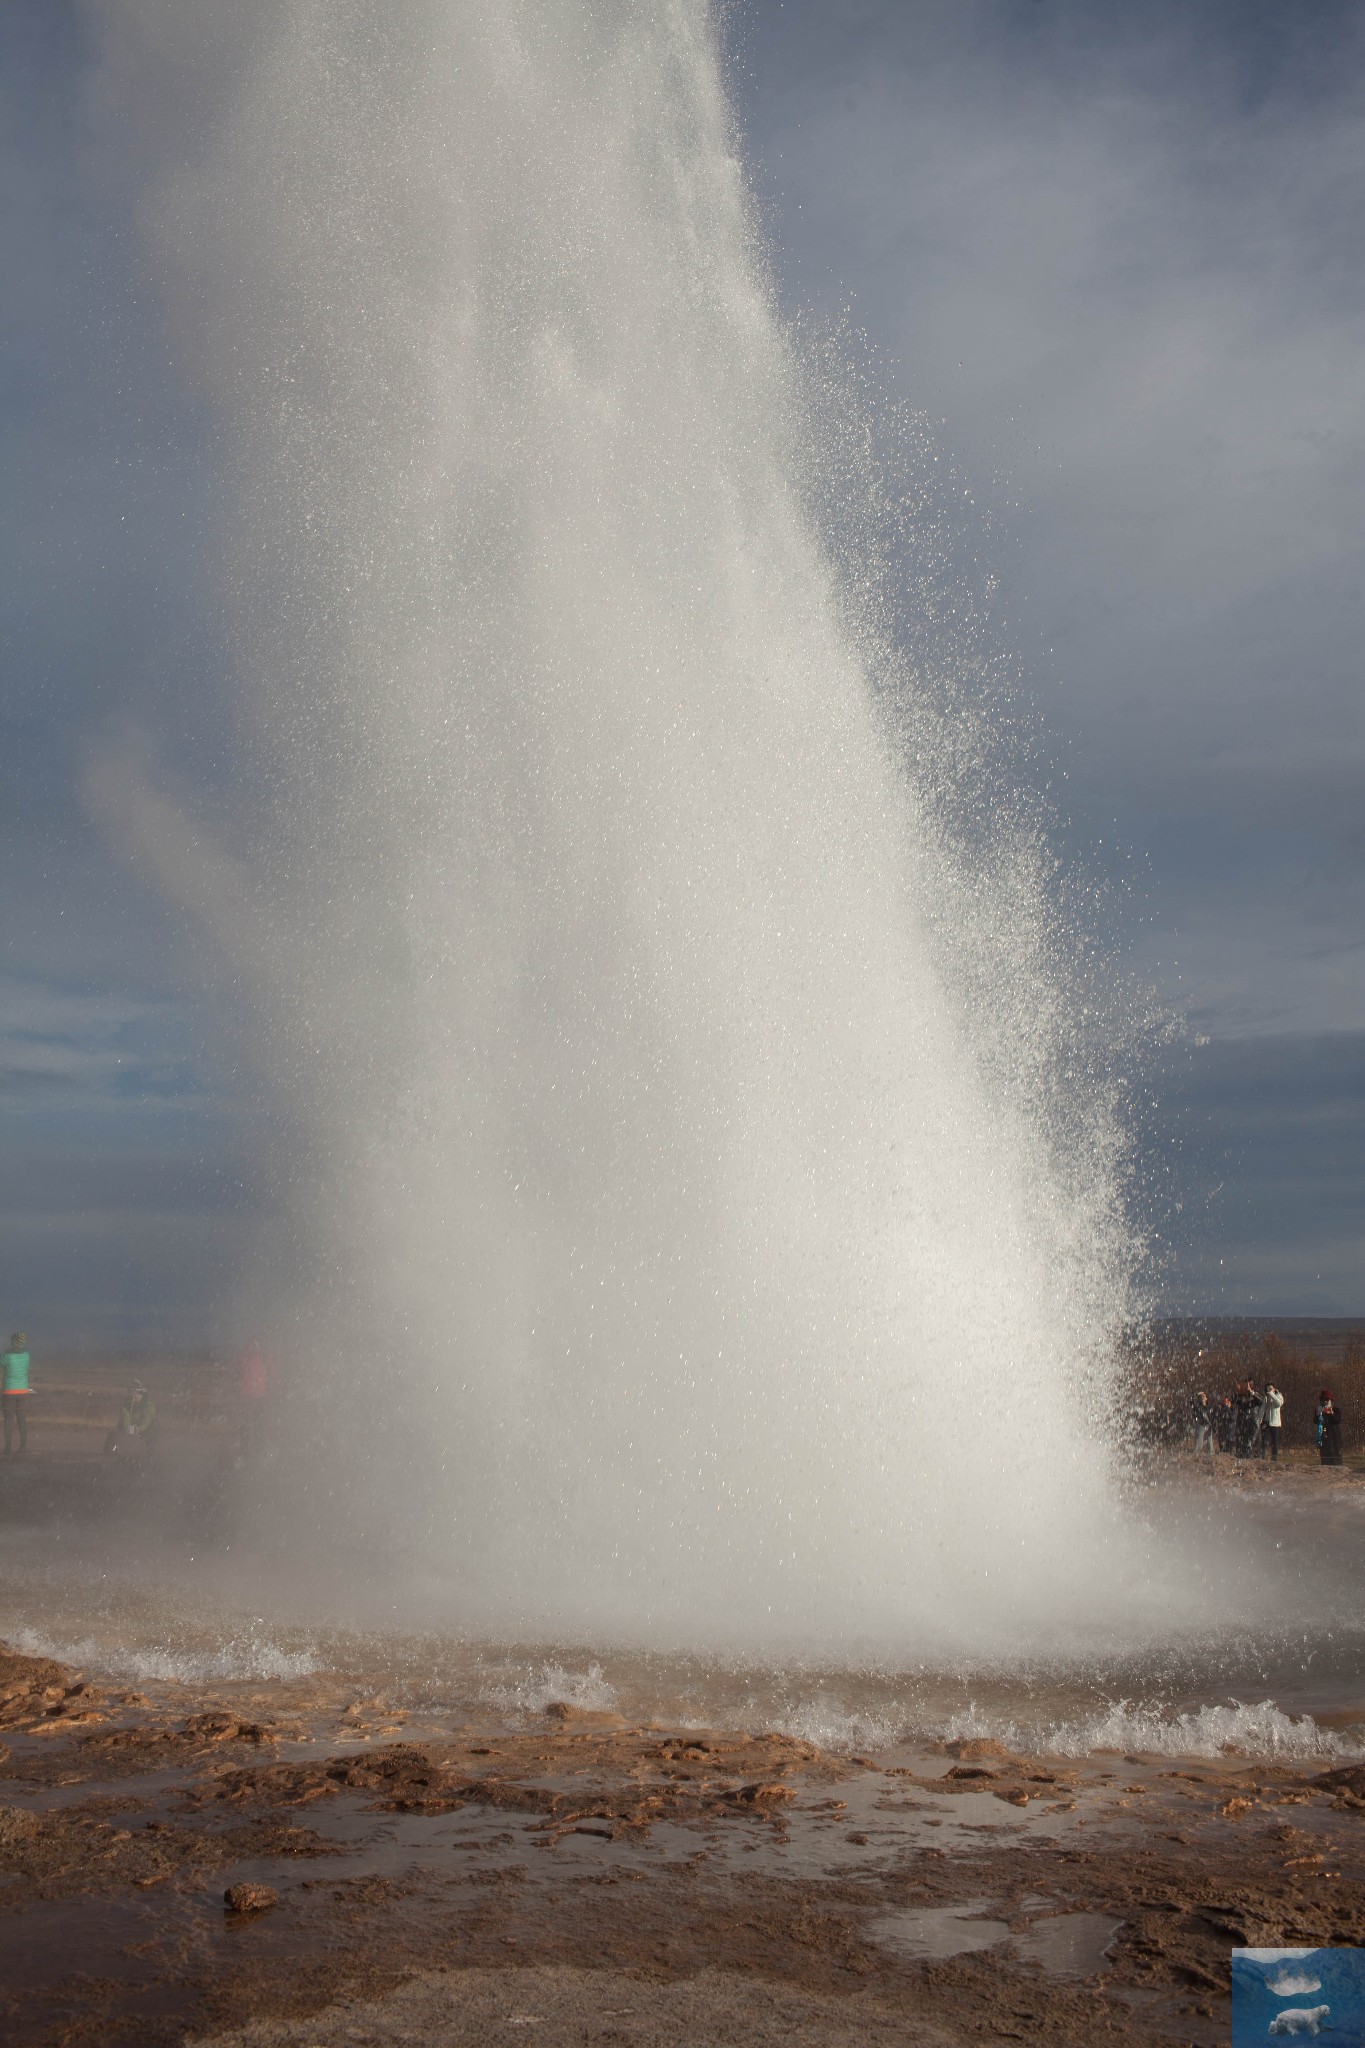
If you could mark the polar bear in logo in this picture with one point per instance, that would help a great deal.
(1301, 2019)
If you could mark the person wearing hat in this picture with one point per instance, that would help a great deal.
(1327, 1422)
(136, 1419)
(15, 1390)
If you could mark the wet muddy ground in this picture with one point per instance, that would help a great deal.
(571, 1877)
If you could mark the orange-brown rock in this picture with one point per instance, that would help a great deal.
(250, 1898)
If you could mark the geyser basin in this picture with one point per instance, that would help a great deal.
(692, 1218)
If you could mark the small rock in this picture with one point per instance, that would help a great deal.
(217, 1727)
(220, 1727)
(1349, 1779)
(250, 1898)
(582, 1717)
(761, 1796)
(970, 1748)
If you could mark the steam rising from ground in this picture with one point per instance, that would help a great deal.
(693, 1220)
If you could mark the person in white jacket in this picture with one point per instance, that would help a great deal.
(1272, 1404)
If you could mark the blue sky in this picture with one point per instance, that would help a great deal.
(1115, 255)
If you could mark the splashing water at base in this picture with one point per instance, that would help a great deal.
(691, 1224)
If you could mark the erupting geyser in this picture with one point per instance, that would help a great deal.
(678, 1237)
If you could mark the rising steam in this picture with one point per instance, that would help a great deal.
(687, 1224)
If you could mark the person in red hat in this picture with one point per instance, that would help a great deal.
(253, 1391)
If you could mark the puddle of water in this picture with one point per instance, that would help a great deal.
(1065, 1944)
(1069, 1944)
(929, 1933)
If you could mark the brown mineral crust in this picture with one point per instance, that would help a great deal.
(220, 1727)
(1260, 1879)
(569, 2005)
(41, 1697)
(74, 1851)
(22, 1674)
(1013, 1780)
(582, 1717)
(1180, 1919)
(756, 1798)
(812, 1939)
(128, 1752)
(43, 1709)
(250, 1898)
(404, 1778)
(662, 1780)
(1347, 1783)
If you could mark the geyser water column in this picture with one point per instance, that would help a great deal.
(676, 1250)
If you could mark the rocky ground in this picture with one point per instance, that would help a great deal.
(299, 1865)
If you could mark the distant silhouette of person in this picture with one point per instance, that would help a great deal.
(1272, 1407)
(1227, 1424)
(137, 1423)
(253, 1390)
(1328, 1422)
(15, 1391)
(1201, 1422)
(1246, 1404)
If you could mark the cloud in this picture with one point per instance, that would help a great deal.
(1261, 1140)
(1118, 255)
(57, 1044)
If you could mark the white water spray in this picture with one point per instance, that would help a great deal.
(678, 1238)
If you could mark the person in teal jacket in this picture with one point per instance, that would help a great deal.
(15, 1391)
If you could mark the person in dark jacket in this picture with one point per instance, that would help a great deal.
(1247, 1404)
(1226, 1418)
(1201, 1422)
(1328, 1422)
(136, 1423)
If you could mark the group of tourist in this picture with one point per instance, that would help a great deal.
(1247, 1422)
(138, 1425)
